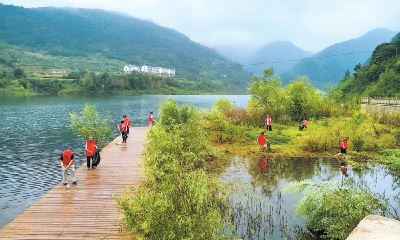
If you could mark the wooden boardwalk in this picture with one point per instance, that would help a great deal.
(86, 211)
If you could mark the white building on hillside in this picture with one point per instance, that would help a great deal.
(146, 69)
(150, 69)
(169, 72)
(130, 68)
(164, 71)
(157, 70)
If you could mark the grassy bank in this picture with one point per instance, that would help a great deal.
(232, 131)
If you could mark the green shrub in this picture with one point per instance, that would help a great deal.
(391, 157)
(177, 200)
(396, 135)
(333, 209)
(358, 142)
(252, 133)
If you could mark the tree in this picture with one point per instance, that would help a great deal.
(357, 67)
(303, 100)
(19, 73)
(347, 73)
(267, 93)
(91, 124)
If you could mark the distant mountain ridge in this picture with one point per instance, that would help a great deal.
(71, 32)
(279, 54)
(330, 64)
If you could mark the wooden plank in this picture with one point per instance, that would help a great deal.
(86, 211)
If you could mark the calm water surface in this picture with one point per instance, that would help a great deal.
(262, 211)
(35, 130)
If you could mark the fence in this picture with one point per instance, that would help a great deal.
(380, 101)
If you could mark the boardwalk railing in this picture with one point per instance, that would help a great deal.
(380, 101)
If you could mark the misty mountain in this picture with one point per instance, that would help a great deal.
(75, 33)
(281, 55)
(330, 64)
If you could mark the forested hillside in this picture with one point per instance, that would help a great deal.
(329, 65)
(107, 40)
(380, 77)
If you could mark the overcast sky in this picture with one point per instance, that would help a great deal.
(310, 24)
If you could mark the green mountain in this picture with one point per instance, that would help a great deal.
(96, 40)
(380, 77)
(329, 65)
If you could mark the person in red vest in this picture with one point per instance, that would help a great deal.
(268, 123)
(343, 147)
(127, 123)
(67, 162)
(90, 149)
(123, 130)
(151, 119)
(261, 140)
(305, 122)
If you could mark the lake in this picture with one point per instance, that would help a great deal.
(35, 130)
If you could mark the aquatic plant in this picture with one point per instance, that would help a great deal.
(333, 209)
(391, 157)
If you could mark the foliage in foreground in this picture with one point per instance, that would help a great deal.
(91, 124)
(177, 200)
(333, 209)
(391, 157)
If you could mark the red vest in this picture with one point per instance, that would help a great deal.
(305, 122)
(151, 118)
(268, 121)
(261, 139)
(91, 147)
(343, 144)
(66, 155)
(122, 127)
(127, 122)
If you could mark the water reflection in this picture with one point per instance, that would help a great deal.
(260, 211)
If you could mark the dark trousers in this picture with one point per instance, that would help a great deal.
(124, 136)
(269, 128)
(88, 160)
